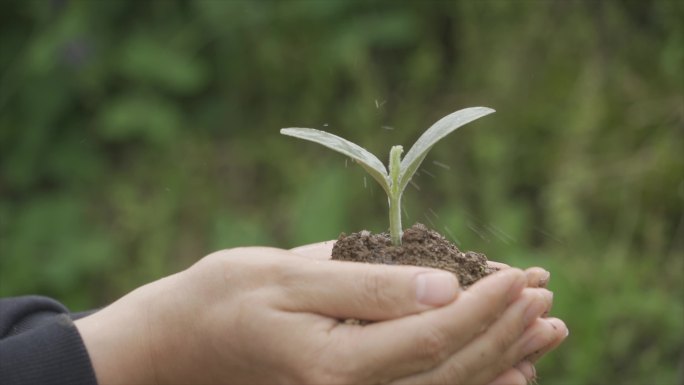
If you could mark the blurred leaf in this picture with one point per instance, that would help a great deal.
(237, 231)
(138, 116)
(64, 249)
(148, 61)
(321, 206)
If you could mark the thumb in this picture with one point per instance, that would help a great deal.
(367, 291)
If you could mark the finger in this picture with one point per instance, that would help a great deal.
(321, 250)
(372, 292)
(537, 277)
(536, 335)
(482, 358)
(535, 338)
(409, 345)
(562, 333)
(528, 370)
(512, 376)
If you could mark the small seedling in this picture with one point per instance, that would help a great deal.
(400, 170)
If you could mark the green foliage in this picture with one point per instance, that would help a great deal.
(138, 136)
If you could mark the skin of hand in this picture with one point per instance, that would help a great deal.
(522, 373)
(264, 315)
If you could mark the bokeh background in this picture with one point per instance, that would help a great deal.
(138, 136)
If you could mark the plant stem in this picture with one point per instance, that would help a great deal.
(395, 195)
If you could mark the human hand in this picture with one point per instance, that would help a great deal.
(522, 373)
(260, 315)
(536, 277)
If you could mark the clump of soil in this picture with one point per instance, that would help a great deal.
(420, 247)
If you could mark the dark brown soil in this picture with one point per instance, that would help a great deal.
(420, 247)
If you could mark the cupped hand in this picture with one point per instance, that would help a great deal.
(262, 315)
(524, 371)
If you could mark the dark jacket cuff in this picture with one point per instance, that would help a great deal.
(53, 353)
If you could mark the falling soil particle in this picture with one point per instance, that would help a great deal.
(420, 247)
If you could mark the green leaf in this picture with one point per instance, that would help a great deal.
(448, 124)
(368, 161)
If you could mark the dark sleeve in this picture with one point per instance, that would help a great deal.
(39, 344)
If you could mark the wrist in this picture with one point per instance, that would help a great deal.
(118, 340)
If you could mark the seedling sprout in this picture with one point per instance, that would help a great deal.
(401, 170)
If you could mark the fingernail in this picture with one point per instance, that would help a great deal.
(544, 280)
(528, 370)
(536, 342)
(556, 323)
(436, 289)
(537, 307)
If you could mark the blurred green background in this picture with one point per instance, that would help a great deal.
(138, 136)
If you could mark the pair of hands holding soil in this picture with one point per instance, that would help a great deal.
(262, 315)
